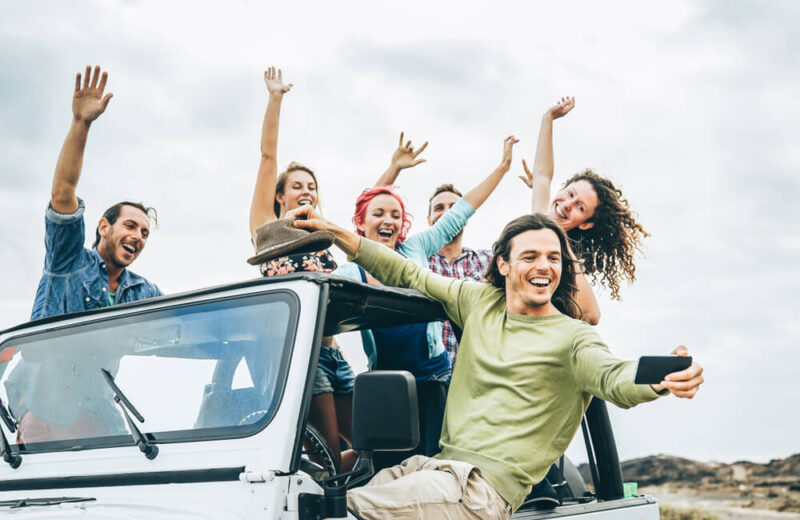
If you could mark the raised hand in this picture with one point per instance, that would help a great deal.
(405, 156)
(561, 108)
(88, 101)
(274, 81)
(528, 177)
(508, 146)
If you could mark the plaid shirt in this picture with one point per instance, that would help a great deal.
(470, 264)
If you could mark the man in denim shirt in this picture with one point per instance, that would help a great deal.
(76, 278)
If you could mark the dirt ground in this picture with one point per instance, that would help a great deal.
(729, 504)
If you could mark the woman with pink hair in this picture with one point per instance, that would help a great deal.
(381, 215)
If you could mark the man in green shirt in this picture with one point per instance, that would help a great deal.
(527, 370)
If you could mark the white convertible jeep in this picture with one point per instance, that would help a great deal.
(195, 406)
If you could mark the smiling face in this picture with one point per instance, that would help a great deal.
(532, 272)
(300, 189)
(121, 242)
(383, 220)
(574, 206)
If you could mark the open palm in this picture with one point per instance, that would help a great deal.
(88, 101)
(562, 108)
(274, 81)
(406, 156)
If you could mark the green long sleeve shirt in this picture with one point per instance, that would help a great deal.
(521, 383)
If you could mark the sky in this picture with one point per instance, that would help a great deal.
(689, 107)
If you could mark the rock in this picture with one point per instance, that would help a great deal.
(680, 472)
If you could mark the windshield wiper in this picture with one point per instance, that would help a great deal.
(149, 449)
(13, 460)
(9, 420)
(28, 502)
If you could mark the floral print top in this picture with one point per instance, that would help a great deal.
(320, 261)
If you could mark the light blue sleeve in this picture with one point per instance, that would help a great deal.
(425, 243)
(348, 270)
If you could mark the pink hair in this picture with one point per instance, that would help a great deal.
(366, 197)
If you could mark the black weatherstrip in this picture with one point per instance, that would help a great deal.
(190, 476)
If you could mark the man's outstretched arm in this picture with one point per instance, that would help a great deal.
(602, 374)
(391, 269)
(88, 103)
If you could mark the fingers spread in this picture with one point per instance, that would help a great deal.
(525, 167)
(107, 99)
(103, 81)
(78, 82)
(420, 149)
(400, 144)
(86, 76)
(96, 76)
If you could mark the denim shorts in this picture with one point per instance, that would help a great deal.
(334, 374)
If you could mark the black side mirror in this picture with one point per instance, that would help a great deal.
(385, 411)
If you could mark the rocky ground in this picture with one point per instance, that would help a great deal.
(739, 490)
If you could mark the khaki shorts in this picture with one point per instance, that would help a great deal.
(422, 487)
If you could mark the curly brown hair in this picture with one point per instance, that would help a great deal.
(607, 249)
(564, 296)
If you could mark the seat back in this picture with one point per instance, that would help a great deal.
(431, 398)
(226, 407)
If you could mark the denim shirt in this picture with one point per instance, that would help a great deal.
(76, 278)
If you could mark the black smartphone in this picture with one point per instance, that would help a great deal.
(651, 370)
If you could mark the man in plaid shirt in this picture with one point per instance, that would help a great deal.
(454, 260)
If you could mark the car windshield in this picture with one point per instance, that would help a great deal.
(204, 371)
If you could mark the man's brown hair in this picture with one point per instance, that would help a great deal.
(112, 214)
(564, 296)
(442, 189)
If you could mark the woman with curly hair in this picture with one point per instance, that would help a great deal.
(594, 214)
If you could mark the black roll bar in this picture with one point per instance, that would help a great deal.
(609, 472)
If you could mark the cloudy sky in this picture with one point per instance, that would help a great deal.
(690, 107)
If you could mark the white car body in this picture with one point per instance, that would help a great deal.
(253, 476)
